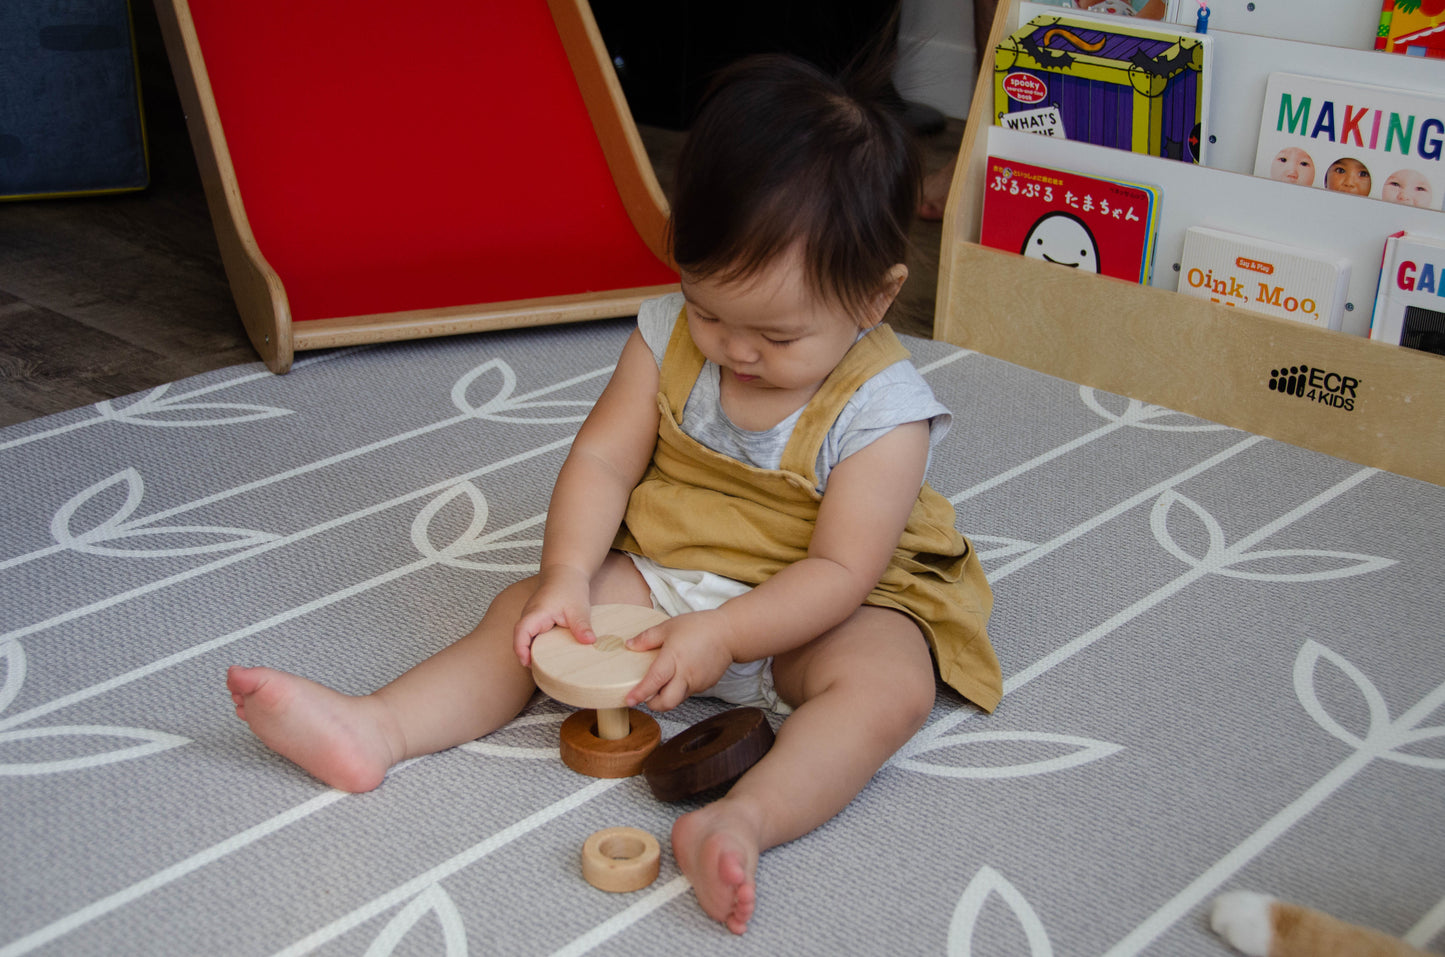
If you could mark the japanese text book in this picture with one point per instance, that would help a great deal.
(1410, 304)
(1121, 82)
(1355, 138)
(1081, 222)
(1261, 275)
(1412, 27)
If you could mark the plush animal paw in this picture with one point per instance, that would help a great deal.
(1260, 926)
(1242, 918)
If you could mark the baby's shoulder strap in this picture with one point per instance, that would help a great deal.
(870, 355)
(682, 361)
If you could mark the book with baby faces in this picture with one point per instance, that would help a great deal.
(1081, 222)
(1122, 82)
(1410, 303)
(1261, 275)
(1356, 138)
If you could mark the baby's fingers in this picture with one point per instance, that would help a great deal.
(673, 693)
(535, 623)
(655, 680)
(646, 640)
(579, 622)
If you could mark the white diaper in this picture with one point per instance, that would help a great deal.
(676, 591)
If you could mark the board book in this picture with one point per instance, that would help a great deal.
(1118, 82)
(1143, 9)
(1412, 27)
(1261, 275)
(1356, 138)
(1410, 306)
(1083, 222)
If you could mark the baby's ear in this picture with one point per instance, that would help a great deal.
(892, 284)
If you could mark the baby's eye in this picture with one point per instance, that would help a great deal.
(780, 342)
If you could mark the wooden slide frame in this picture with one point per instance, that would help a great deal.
(260, 294)
(1187, 354)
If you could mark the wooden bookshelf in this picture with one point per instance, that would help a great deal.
(1202, 358)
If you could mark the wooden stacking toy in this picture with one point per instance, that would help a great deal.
(711, 753)
(606, 739)
(621, 859)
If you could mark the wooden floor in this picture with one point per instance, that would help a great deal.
(103, 297)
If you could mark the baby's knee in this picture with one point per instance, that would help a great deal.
(916, 697)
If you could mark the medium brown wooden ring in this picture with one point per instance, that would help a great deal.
(586, 753)
(621, 859)
(711, 752)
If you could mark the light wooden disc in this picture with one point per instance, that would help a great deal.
(621, 859)
(599, 675)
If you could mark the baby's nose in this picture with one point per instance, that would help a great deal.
(740, 349)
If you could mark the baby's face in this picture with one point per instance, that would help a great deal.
(1348, 176)
(1409, 188)
(1293, 165)
(770, 333)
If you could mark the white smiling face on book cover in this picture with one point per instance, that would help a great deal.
(1353, 138)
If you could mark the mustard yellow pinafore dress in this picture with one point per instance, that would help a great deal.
(696, 508)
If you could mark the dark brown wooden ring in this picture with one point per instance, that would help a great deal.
(712, 752)
(586, 753)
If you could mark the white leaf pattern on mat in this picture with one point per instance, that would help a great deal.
(118, 528)
(1061, 751)
(151, 742)
(1141, 415)
(1222, 559)
(177, 413)
(1384, 737)
(990, 883)
(471, 541)
(434, 901)
(493, 745)
(503, 402)
(12, 653)
(994, 547)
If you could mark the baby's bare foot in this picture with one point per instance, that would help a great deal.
(717, 848)
(338, 738)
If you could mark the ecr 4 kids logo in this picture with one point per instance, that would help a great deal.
(1316, 385)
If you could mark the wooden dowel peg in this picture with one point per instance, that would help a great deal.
(613, 724)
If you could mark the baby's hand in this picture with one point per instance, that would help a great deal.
(562, 599)
(693, 655)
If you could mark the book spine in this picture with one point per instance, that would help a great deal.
(1382, 35)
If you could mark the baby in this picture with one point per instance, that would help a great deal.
(1348, 175)
(1293, 165)
(754, 467)
(1409, 188)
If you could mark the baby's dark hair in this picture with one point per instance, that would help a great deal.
(781, 152)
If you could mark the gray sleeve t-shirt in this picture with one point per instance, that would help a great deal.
(893, 397)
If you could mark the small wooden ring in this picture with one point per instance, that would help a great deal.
(712, 752)
(586, 753)
(621, 859)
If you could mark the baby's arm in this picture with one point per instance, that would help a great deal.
(605, 463)
(869, 497)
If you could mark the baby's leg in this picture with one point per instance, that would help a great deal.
(464, 691)
(860, 691)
